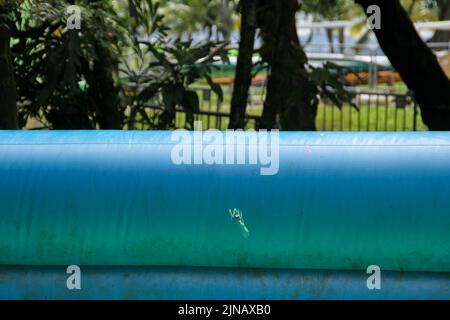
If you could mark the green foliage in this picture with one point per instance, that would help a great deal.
(329, 9)
(54, 64)
(329, 81)
(166, 68)
(188, 16)
(148, 42)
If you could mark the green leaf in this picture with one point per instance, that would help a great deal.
(215, 87)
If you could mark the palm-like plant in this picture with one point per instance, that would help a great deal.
(55, 65)
(163, 69)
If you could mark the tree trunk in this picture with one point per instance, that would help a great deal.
(244, 65)
(444, 14)
(341, 40)
(8, 95)
(330, 39)
(415, 62)
(290, 95)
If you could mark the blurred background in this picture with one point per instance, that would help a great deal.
(253, 64)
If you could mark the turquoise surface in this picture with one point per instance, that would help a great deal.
(339, 201)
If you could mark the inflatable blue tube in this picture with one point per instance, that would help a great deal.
(339, 201)
(174, 283)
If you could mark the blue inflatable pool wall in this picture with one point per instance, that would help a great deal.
(143, 222)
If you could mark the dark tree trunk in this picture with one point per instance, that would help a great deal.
(415, 62)
(8, 95)
(104, 91)
(444, 14)
(330, 39)
(290, 95)
(244, 65)
(341, 32)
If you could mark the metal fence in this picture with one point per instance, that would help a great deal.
(371, 111)
(210, 119)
